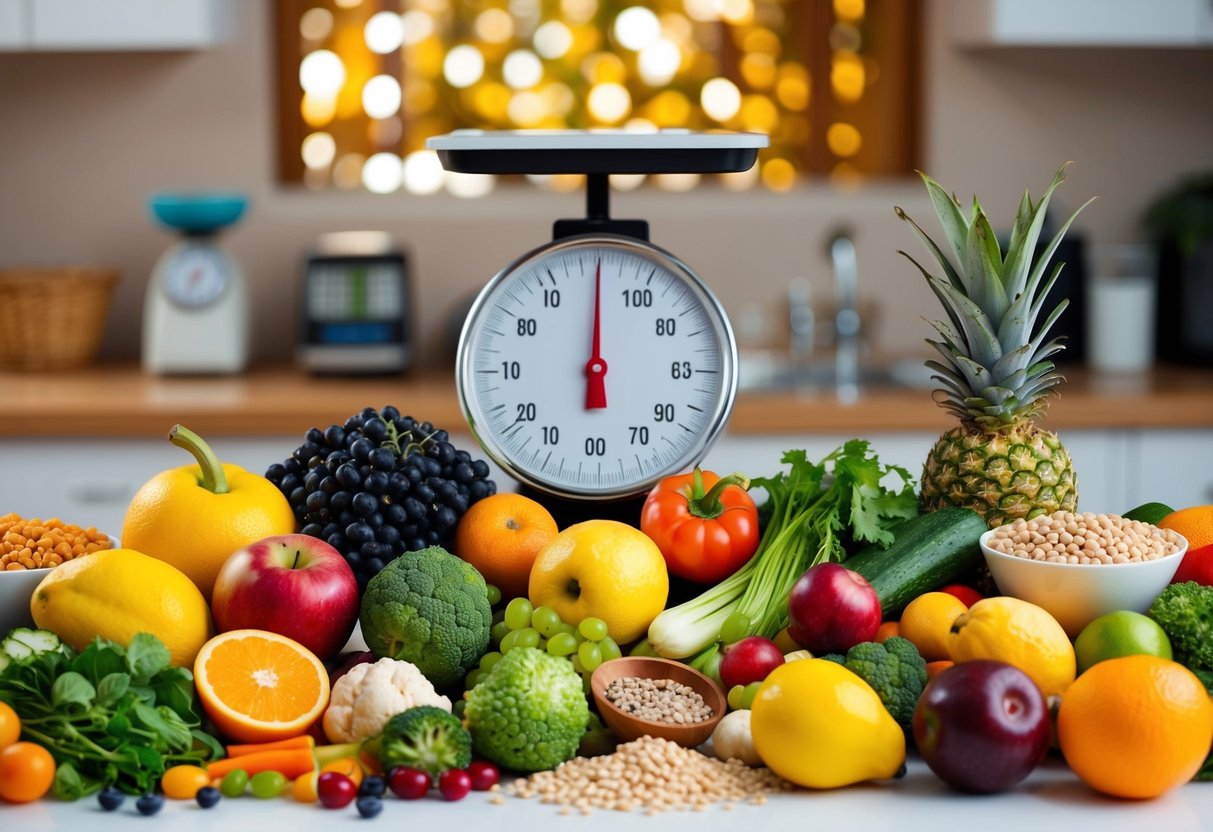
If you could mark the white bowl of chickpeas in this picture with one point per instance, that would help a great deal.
(1081, 566)
(29, 549)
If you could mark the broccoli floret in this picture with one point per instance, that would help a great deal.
(425, 738)
(431, 609)
(529, 713)
(894, 669)
(1185, 613)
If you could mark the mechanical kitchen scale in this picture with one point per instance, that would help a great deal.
(595, 365)
(196, 311)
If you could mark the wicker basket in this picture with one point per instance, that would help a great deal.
(53, 318)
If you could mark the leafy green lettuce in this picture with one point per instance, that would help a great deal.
(110, 716)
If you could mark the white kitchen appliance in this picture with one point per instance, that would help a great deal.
(599, 363)
(196, 310)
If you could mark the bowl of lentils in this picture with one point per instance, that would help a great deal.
(1079, 566)
(646, 696)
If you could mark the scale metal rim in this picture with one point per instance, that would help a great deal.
(722, 408)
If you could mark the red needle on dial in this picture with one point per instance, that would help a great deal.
(595, 368)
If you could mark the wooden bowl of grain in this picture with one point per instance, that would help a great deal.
(628, 726)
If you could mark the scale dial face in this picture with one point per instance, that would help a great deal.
(594, 366)
(196, 277)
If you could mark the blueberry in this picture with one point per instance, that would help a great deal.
(150, 803)
(207, 796)
(110, 798)
(369, 806)
(373, 786)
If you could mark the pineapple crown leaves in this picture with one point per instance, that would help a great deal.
(996, 365)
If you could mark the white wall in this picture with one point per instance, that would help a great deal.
(85, 137)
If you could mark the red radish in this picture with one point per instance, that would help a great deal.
(749, 660)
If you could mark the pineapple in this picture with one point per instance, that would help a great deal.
(996, 371)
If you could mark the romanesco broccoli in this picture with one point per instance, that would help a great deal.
(1185, 613)
(529, 713)
(894, 669)
(431, 609)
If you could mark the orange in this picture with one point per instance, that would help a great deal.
(1010, 630)
(196, 516)
(886, 631)
(603, 569)
(258, 686)
(1135, 726)
(926, 621)
(1195, 523)
(500, 535)
(26, 772)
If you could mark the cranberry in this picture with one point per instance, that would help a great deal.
(409, 783)
(335, 790)
(484, 775)
(455, 784)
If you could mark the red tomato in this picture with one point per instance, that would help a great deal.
(967, 595)
(1197, 565)
(705, 526)
(26, 772)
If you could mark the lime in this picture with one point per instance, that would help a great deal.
(1121, 633)
(1150, 513)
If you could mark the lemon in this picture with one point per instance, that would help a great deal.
(819, 725)
(117, 593)
(602, 569)
(1019, 633)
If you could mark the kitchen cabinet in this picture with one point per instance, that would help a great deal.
(114, 25)
(1121, 23)
(1174, 467)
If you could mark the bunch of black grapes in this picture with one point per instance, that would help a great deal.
(380, 485)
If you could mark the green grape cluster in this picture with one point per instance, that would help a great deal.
(741, 697)
(586, 644)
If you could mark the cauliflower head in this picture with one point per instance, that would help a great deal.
(365, 698)
(432, 609)
(894, 669)
(529, 713)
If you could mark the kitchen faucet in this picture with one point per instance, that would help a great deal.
(846, 316)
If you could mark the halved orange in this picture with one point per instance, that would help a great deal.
(258, 686)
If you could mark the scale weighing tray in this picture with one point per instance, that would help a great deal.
(596, 151)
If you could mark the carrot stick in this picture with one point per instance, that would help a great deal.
(290, 762)
(301, 741)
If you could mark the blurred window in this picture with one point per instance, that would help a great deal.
(363, 83)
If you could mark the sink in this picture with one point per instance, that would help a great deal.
(770, 371)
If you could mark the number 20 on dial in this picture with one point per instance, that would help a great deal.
(594, 366)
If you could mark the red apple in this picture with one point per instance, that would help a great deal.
(294, 585)
(749, 660)
(982, 726)
(831, 609)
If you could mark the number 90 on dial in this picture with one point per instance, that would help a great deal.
(594, 366)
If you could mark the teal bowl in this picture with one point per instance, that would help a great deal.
(198, 213)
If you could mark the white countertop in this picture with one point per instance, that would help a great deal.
(1052, 798)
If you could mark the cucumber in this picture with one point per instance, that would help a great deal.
(928, 551)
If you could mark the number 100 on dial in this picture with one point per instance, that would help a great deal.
(594, 366)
